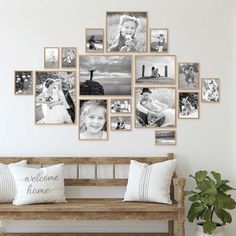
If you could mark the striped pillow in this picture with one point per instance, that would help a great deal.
(150, 183)
(7, 182)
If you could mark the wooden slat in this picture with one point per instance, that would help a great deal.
(85, 234)
(96, 182)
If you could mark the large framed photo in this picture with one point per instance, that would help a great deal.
(165, 137)
(189, 105)
(68, 57)
(105, 75)
(121, 106)
(159, 40)
(210, 90)
(155, 107)
(93, 119)
(51, 57)
(188, 76)
(94, 40)
(23, 81)
(155, 69)
(121, 123)
(127, 31)
(55, 97)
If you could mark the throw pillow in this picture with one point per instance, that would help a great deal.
(150, 183)
(7, 183)
(39, 185)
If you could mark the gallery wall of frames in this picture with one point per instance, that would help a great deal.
(126, 79)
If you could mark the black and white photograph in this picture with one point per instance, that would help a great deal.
(94, 40)
(159, 40)
(105, 75)
(23, 81)
(165, 137)
(51, 57)
(210, 90)
(188, 76)
(189, 105)
(68, 57)
(121, 105)
(155, 107)
(155, 69)
(93, 119)
(121, 123)
(55, 97)
(127, 31)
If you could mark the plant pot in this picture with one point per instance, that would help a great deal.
(219, 231)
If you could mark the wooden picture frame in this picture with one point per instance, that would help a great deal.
(210, 90)
(51, 57)
(68, 57)
(23, 82)
(120, 106)
(121, 123)
(159, 40)
(165, 137)
(94, 40)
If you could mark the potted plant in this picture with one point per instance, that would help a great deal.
(210, 201)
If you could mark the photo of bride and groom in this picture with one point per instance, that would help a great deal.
(55, 98)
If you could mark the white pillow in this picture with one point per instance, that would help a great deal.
(7, 183)
(150, 183)
(39, 185)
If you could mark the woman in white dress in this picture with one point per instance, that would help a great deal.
(52, 105)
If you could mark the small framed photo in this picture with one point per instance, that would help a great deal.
(93, 119)
(121, 123)
(68, 57)
(165, 137)
(109, 75)
(210, 90)
(155, 69)
(155, 107)
(159, 40)
(23, 81)
(55, 97)
(188, 76)
(51, 57)
(189, 105)
(121, 105)
(127, 32)
(94, 40)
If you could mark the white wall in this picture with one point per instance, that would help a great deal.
(203, 31)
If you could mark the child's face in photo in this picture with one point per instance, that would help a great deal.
(95, 120)
(128, 28)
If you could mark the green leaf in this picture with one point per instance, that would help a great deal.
(209, 227)
(200, 175)
(224, 187)
(225, 201)
(195, 211)
(208, 199)
(194, 198)
(207, 215)
(207, 187)
(217, 176)
(224, 216)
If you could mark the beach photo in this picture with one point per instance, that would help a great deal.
(105, 75)
(155, 108)
(121, 105)
(55, 97)
(94, 40)
(121, 123)
(158, 40)
(155, 69)
(210, 90)
(23, 81)
(126, 31)
(165, 137)
(51, 57)
(68, 57)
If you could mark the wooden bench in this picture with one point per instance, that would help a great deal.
(100, 209)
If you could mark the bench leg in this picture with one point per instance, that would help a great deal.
(181, 230)
(171, 227)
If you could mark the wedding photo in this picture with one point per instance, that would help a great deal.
(159, 40)
(121, 123)
(155, 69)
(68, 57)
(188, 105)
(51, 57)
(121, 105)
(94, 40)
(93, 119)
(155, 108)
(210, 90)
(105, 75)
(165, 137)
(188, 76)
(23, 81)
(55, 97)
(126, 31)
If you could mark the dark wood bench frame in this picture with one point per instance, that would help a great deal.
(100, 209)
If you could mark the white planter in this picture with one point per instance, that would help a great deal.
(219, 231)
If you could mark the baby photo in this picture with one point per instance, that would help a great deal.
(23, 82)
(189, 105)
(55, 97)
(159, 40)
(121, 123)
(155, 107)
(165, 137)
(68, 57)
(94, 40)
(127, 31)
(51, 58)
(120, 105)
(210, 90)
(93, 120)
